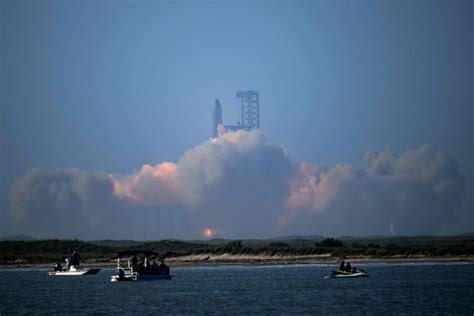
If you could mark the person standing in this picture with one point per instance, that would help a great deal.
(75, 259)
(164, 269)
(135, 263)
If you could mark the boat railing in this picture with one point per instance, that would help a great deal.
(127, 270)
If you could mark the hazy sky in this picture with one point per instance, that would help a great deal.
(107, 86)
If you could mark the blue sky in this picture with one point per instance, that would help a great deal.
(111, 85)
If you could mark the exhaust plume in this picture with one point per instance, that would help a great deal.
(247, 187)
(417, 191)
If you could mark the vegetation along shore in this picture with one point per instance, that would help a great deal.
(288, 250)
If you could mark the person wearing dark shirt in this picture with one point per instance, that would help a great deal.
(164, 269)
(135, 263)
(342, 266)
(75, 259)
(348, 267)
(57, 267)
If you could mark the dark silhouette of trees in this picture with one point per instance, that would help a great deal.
(329, 242)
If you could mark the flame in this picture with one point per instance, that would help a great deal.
(207, 232)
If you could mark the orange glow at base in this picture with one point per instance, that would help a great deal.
(207, 232)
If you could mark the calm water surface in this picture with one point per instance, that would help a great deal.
(391, 289)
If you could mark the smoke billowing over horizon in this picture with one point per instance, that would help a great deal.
(241, 186)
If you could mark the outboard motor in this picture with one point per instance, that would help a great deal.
(57, 267)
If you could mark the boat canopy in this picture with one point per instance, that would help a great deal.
(129, 253)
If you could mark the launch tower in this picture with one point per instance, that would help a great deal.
(250, 109)
(250, 113)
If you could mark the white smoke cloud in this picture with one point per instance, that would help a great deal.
(243, 186)
(68, 202)
(152, 185)
(417, 191)
(237, 183)
(314, 187)
(225, 182)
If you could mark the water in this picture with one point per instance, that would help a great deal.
(391, 289)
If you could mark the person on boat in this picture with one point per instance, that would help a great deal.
(57, 267)
(135, 263)
(154, 267)
(75, 259)
(348, 267)
(342, 267)
(121, 274)
(141, 265)
(164, 269)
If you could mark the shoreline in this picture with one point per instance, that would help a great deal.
(230, 260)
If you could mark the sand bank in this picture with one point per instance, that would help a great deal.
(231, 259)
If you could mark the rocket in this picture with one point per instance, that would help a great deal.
(216, 117)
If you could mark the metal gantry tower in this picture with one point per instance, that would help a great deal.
(250, 109)
(250, 113)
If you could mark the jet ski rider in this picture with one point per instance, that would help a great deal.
(345, 267)
(348, 267)
(342, 267)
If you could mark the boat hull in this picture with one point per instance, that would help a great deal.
(75, 273)
(116, 278)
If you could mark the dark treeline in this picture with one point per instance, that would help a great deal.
(48, 251)
(52, 250)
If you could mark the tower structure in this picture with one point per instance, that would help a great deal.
(250, 109)
(216, 117)
(249, 112)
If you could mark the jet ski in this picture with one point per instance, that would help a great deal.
(355, 273)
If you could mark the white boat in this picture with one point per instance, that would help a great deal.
(144, 271)
(75, 271)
